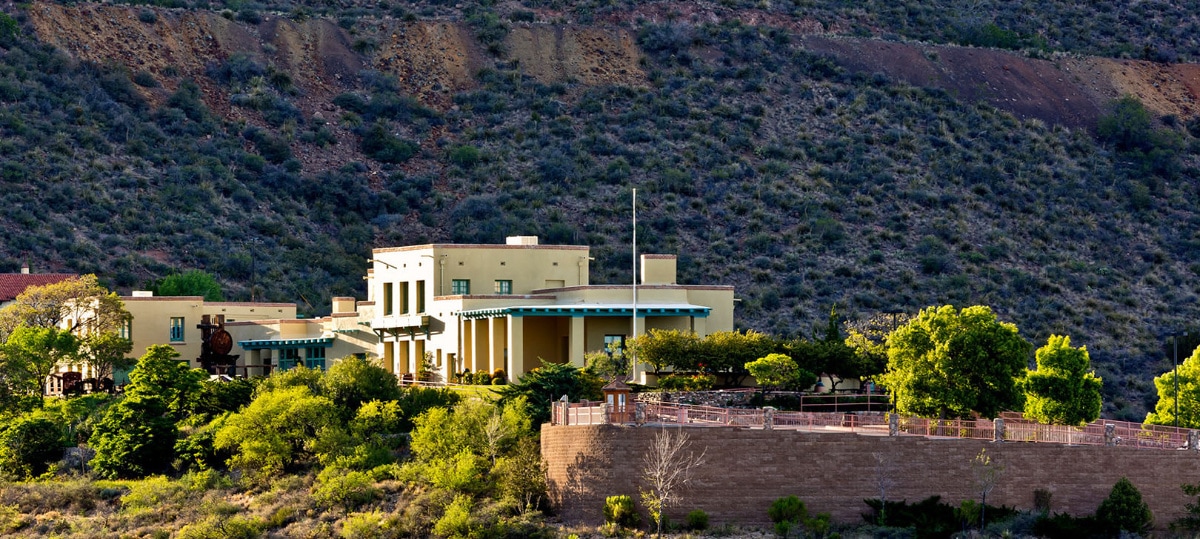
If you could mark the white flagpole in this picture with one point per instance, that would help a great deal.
(633, 355)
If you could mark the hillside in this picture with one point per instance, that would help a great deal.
(773, 150)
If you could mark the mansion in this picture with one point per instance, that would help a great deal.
(436, 310)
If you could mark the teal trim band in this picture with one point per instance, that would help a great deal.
(575, 311)
(280, 344)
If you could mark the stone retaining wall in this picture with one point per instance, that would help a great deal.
(833, 472)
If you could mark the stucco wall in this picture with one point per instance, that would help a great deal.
(834, 472)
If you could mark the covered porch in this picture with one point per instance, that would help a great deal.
(517, 339)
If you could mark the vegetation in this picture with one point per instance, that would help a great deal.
(1178, 391)
(1063, 390)
(950, 363)
(1124, 510)
(192, 282)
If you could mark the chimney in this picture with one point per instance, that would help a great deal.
(25, 269)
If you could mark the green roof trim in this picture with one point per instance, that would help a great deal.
(280, 344)
(589, 310)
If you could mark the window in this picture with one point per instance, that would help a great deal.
(614, 344)
(404, 298)
(387, 299)
(460, 287)
(289, 358)
(420, 297)
(504, 287)
(177, 329)
(126, 331)
(314, 358)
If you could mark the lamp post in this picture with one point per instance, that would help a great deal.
(1174, 335)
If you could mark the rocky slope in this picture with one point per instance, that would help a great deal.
(807, 168)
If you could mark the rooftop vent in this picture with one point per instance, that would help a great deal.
(521, 240)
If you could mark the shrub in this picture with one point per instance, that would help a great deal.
(218, 527)
(148, 16)
(787, 513)
(619, 510)
(465, 156)
(697, 520)
(383, 146)
(346, 489)
(29, 445)
(1124, 510)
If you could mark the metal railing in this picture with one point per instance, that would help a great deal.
(1010, 427)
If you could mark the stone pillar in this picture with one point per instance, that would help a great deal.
(1194, 440)
(893, 425)
(998, 429)
(769, 418)
(639, 413)
(1110, 434)
(604, 408)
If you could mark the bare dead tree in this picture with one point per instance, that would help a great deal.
(667, 469)
(987, 474)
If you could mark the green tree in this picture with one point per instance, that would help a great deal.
(192, 282)
(352, 381)
(1063, 390)
(38, 351)
(280, 430)
(105, 352)
(949, 363)
(1129, 125)
(78, 305)
(777, 370)
(1189, 395)
(134, 438)
(158, 374)
(29, 444)
(549, 382)
(727, 352)
(1124, 510)
(662, 348)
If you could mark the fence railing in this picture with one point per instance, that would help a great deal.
(1010, 427)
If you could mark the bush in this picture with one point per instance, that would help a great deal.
(217, 527)
(29, 445)
(148, 16)
(787, 513)
(345, 489)
(383, 146)
(697, 520)
(1124, 510)
(619, 510)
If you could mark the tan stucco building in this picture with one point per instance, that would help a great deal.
(488, 307)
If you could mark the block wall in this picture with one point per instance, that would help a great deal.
(834, 472)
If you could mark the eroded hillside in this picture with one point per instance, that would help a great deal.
(807, 169)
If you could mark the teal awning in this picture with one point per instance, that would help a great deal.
(280, 344)
(617, 310)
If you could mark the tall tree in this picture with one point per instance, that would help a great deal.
(1188, 395)
(79, 305)
(662, 348)
(1063, 390)
(190, 283)
(158, 374)
(39, 351)
(950, 363)
(104, 353)
(727, 353)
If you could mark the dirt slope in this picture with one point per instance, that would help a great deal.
(435, 59)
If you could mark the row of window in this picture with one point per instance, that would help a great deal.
(396, 295)
(462, 287)
(389, 297)
(314, 358)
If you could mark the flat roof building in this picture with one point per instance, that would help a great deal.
(479, 307)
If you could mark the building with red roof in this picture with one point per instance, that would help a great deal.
(13, 284)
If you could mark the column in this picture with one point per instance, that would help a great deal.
(514, 336)
(578, 341)
(389, 357)
(468, 345)
(483, 344)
